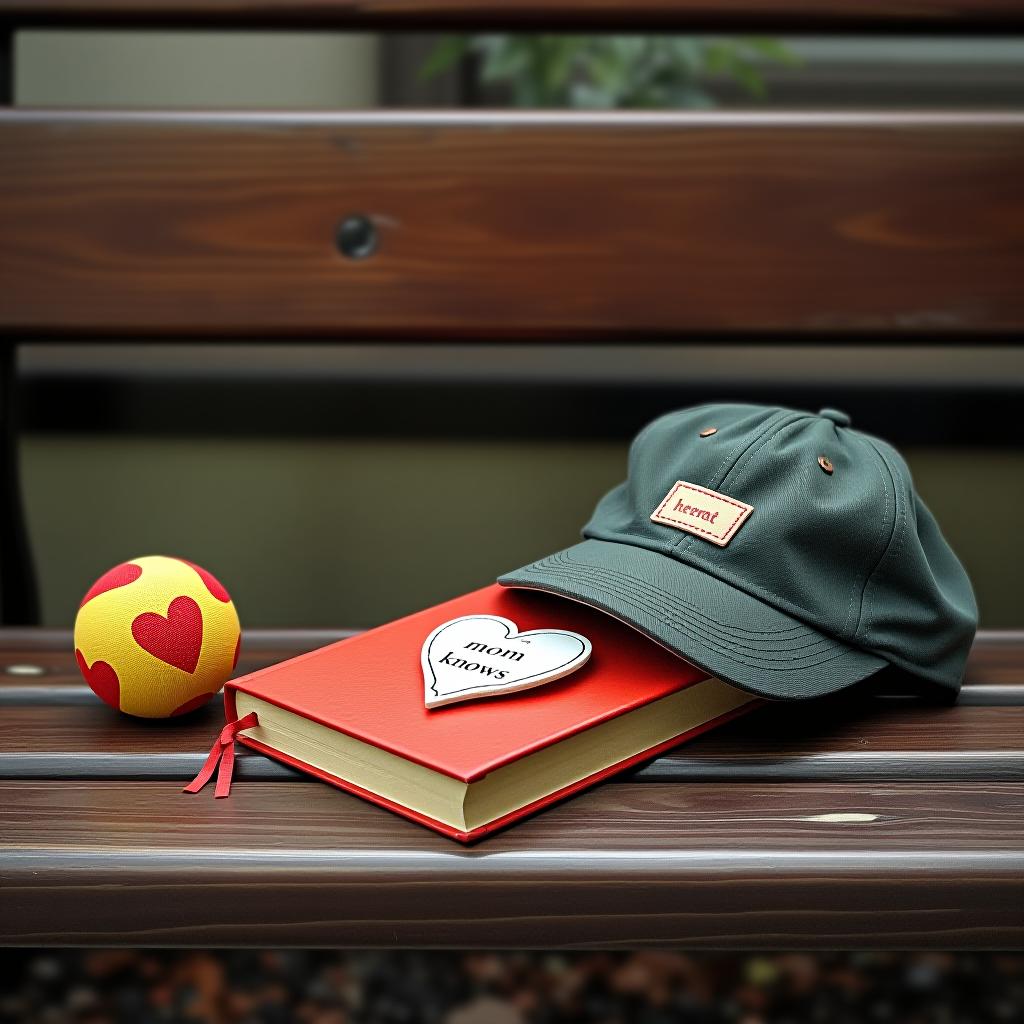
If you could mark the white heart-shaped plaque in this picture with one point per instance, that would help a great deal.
(486, 655)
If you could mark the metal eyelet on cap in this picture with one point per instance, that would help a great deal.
(826, 464)
(709, 431)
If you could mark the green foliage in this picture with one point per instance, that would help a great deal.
(608, 71)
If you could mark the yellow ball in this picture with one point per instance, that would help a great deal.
(156, 637)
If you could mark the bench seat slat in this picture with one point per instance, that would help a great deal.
(511, 225)
(827, 740)
(53, 727)
(790, 866)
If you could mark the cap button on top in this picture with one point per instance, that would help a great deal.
(836, 416)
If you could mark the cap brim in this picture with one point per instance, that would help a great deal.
(716, 626)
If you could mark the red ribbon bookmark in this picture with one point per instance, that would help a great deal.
(222, 754)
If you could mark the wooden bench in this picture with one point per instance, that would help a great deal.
(872, 822)
(868, 822)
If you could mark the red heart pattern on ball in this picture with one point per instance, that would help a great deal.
(120, 576)
(102, 680)
(213, 585)
(177, 638)
(193, 704)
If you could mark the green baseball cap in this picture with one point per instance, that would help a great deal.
(779, 550)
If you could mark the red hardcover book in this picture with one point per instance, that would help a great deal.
(354, 714)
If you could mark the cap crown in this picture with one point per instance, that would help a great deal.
(853, 552)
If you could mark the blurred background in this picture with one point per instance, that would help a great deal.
(663, 987)
(271, 464)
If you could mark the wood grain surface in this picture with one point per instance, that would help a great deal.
(840, 740)
(850, 823)
(53, 726)
(511, 225)
(713, 865)
(824, 15)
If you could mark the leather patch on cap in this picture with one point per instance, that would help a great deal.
(708, 514)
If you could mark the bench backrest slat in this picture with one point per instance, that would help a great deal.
(511, 225)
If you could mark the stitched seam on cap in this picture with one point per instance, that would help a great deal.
(776, 428)
(705, 639)
(669, 598)
(681, 605)
(732, 458)
(779, 597)
(867, 575)
(796, 685)
(729, 463)
(786, 664)
(641, 597)
(896, 538)
(711, 568)
(772, 429)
